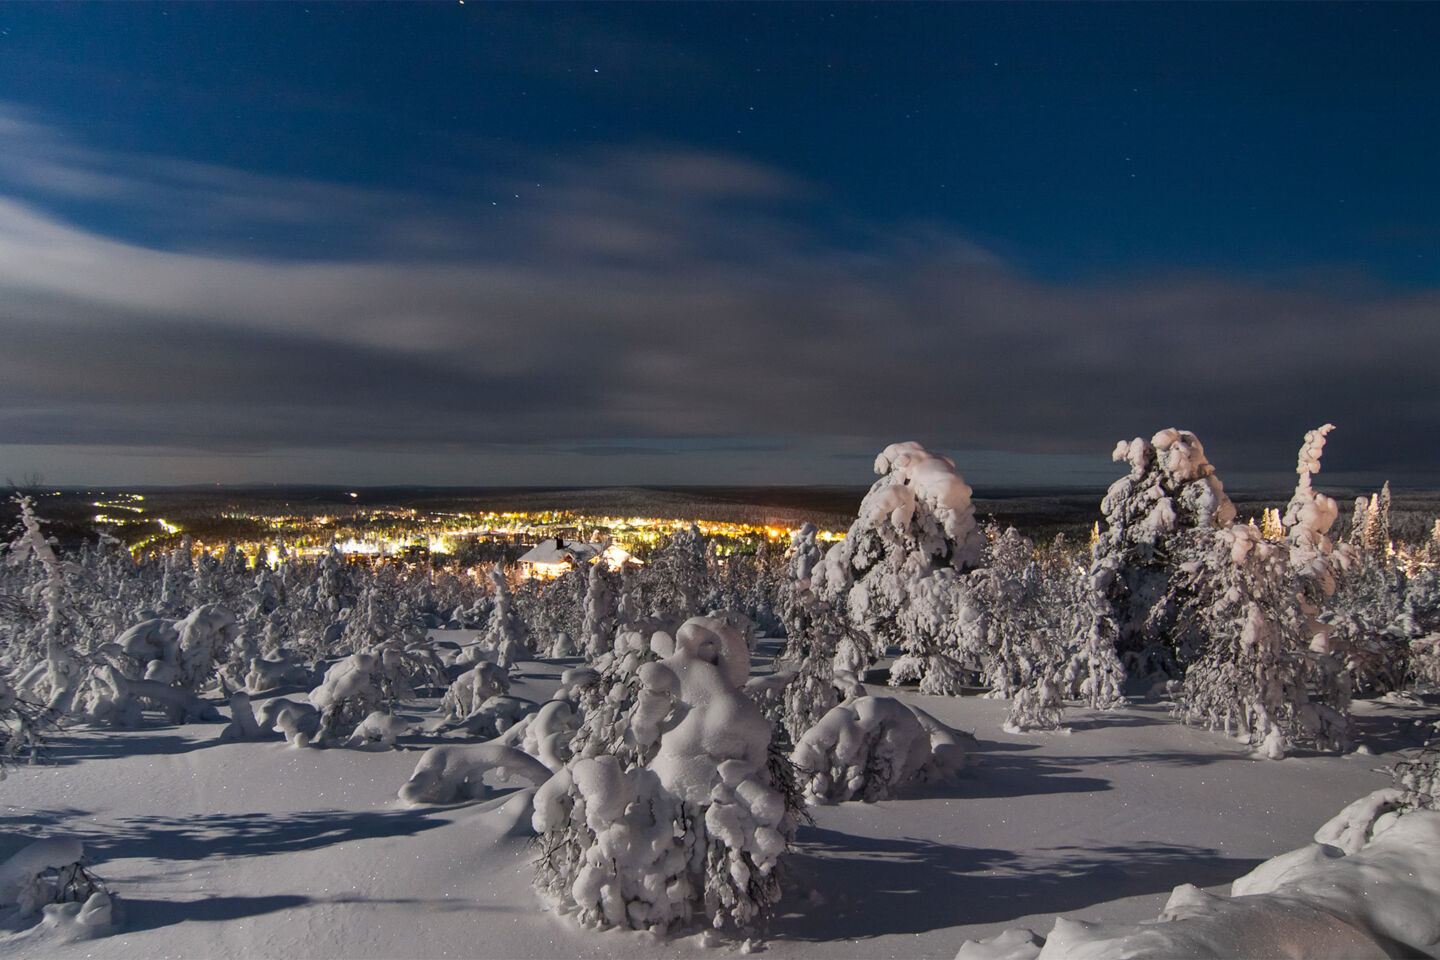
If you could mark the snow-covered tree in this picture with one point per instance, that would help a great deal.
(22, 726)
(1308, 519)
(47, 880)
(695, 831)
(1377, 619)
(1264, 665)
(597, 632)
(821, 648)
(349, 693)
(675, 581)
(1166, 506)
(1377, 526)
(628, 611)
(505, 634)
(1418, 774)
(553, 612)
(471, 689)
(1035, 630)
(896, 573)
(748, 584)
(1258, 671)
(47, 661)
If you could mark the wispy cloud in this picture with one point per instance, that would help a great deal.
(634, 295)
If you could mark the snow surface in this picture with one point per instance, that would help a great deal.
(1373, 896)
(255, 849)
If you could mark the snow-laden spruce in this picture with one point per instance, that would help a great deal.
(823, 656)
(896, 573)
(1266, 668)
(597, 632)
(1170, 498)
(698, 829)
(1257, 677)
(505, 635)
(1035, 626)
(675, 580)
(350, 699)
(964, 606)
(48, 664)
(180, 652)
(1308, 518)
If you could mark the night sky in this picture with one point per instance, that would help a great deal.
(669, 243)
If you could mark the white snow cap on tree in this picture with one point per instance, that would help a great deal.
(911, 476)
(706, 672)
(597, 632)
(1181, 463)
(351, 678)
(805, 554)
(1309, 516)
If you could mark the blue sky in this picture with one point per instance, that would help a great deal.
(713, 243)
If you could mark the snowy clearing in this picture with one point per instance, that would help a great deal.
(259, 849)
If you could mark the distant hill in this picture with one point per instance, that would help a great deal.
(1037, 513)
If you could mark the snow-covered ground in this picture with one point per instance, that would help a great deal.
(259, 849)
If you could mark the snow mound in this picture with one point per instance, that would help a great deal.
(119, 701)
(451, 773)
(472, 688)
(351, 678)
(45, 877)
(1372, 895)
(242, 725)
(377, 729)
(265, 674)
(299, 722)
(870, 747)
(1016, 943)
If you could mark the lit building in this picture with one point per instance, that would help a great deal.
(551, 558)
(555, 556)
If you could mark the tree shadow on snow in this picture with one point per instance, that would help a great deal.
(1011, 775)
(1393, 732)
(228, 835)
(870, 887)
(140, 914)
(19, 829)
(1127, 719)
(65, 749)
(1049, 766)
(152, 914)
